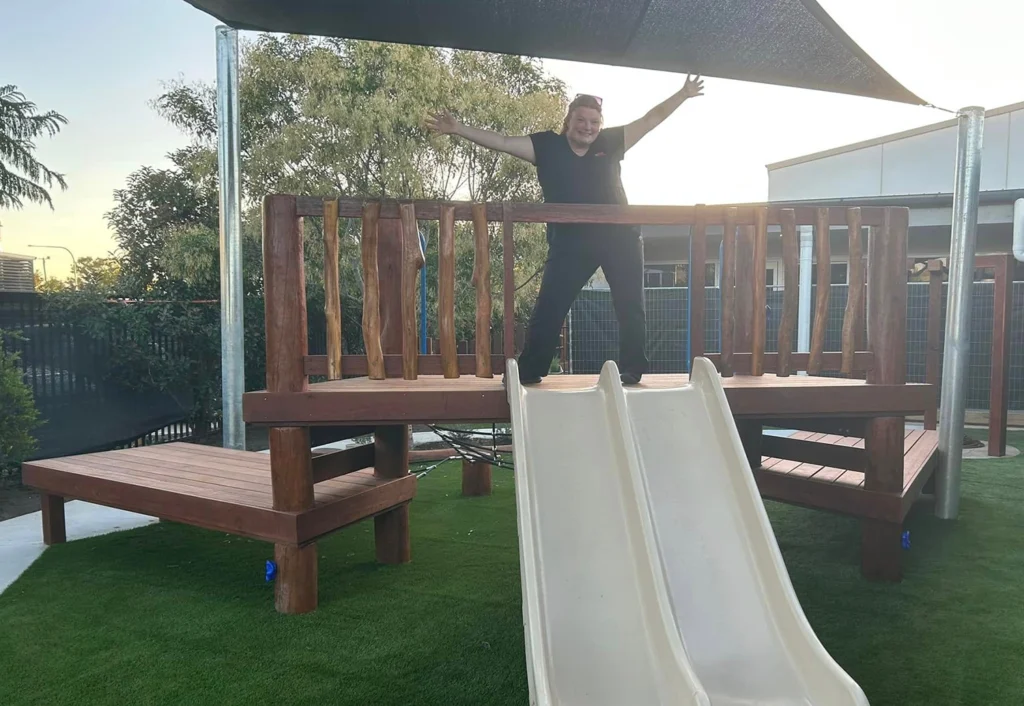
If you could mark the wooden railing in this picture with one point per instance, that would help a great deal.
(392, 260)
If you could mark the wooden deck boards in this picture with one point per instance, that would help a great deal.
(215, 488)
(469, 398)
(831, 488)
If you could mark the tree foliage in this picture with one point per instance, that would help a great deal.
(18, 415)
(22, 176)
(320, 117)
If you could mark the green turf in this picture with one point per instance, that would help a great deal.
(169, 614)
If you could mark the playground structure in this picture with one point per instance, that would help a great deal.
(857, 463)
(856, 457)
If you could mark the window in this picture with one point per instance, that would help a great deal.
(838, 273)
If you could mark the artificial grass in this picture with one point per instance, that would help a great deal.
(170, 614)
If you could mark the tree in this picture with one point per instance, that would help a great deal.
(323, 117)
(18, 415)
(335, 116)
(20, 126)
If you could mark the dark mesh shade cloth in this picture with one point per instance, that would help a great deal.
(784, 42)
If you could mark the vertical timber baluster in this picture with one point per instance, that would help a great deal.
(446, 291)
(759, 311)
(371, 292)
(291, 466)
(791, 292)
(728, 298)
(999, 387)
(855, 277)
(482, 282)
(931, 362)
(332, 289)
(412, 262)
(824, 255)
(509, 285)
(698, 259)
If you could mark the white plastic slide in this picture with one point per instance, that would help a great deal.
(651, 575)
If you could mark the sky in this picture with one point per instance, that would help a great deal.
(102, 62)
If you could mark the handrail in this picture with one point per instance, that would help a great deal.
(745, 230)
(714, 215)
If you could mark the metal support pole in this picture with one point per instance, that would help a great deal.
(232, 332)
(803, 336)
(966, 182)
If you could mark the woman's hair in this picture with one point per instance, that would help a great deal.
(580, 101)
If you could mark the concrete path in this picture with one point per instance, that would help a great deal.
(21, 538)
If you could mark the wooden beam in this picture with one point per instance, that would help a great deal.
(760, 312)
(728, 297)
(391, 529)
(389, 264)
(999, 388)
(884, 508)
(509, 283)
(476, 478)
(743, 362)
(841, 426)
(332, 289)
(482, 283)
(595, 213)
(412, 263)
(745, 245)
(358, 366)
(446, 291)
(824, 291)
(791, 296)
(887, 292)
(381, 402)
(371, 292)
(830, 455)
(342, 462)
(855, 278)
(285, 291)
(291, 475)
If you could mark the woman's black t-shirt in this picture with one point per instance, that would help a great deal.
(595, 177)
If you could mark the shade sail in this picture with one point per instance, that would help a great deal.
(783, 42)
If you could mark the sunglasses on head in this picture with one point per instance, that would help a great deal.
(586, 96)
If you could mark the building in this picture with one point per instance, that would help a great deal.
(912, 168)
(17, 273)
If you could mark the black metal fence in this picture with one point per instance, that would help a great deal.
(83, 406)
(593, 332)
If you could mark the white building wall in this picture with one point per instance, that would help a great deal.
(916, 162)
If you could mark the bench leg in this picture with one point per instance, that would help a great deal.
(476, 478)
(54, 531)
(751, 432)
(295, 590)
(881, 550)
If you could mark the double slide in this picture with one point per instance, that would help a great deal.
(650, 572)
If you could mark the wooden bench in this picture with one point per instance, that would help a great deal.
(828, 471)
(219, 489)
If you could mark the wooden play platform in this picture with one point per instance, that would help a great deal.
(219, 489)
(855, 458)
